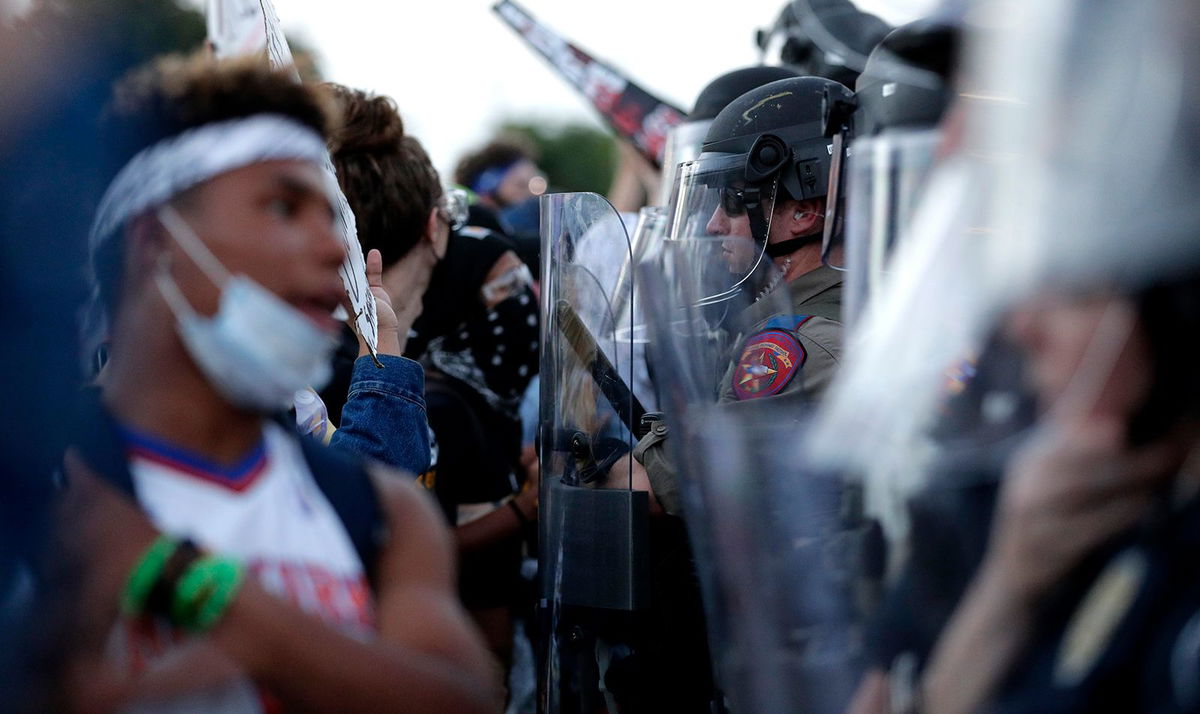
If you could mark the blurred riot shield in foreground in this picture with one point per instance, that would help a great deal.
(779, 546)
(593, 525)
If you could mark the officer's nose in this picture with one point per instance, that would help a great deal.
(718, 223)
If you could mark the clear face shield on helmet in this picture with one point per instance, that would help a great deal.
(885, 177)
(722, 224)
(684, 143)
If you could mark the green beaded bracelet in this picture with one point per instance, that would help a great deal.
(204, 592)
(147, 571)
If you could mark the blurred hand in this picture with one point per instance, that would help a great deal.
(1073, 488)
(629, 474)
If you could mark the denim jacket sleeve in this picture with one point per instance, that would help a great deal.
(384, 416)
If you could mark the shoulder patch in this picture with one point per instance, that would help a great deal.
(770, 359)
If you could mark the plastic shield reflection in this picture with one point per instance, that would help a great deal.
(886, 175)
(777, 545)
(715, 210)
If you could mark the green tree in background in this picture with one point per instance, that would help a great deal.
(574, 156)
(145, 28)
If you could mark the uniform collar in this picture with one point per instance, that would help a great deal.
(801, 291)
(813, 283)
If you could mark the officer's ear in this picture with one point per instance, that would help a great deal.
(802, 217)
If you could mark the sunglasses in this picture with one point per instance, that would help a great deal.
(733, 201)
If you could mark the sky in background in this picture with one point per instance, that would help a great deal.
(456, 71)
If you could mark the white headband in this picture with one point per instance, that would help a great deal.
(166, 169)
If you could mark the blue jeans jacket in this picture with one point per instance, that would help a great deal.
(384, 417)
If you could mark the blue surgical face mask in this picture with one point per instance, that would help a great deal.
(257, 350)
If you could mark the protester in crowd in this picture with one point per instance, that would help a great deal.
(284, 572)
(502, 176)
(476, 334)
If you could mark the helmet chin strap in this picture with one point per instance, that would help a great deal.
(760, 228)
(791, 245)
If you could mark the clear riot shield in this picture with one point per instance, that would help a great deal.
(806, 561)
(631, 327)
(788, 564)
(592, 558)
(885, 177)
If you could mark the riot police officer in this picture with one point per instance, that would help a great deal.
(747, 224)
(746, 337)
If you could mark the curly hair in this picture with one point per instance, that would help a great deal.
(387, 177)
(179, 92)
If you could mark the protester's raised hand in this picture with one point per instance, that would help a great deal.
(391, 340)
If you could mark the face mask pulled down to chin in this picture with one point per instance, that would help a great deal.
(257, 351)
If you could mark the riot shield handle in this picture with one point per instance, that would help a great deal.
(627, 406)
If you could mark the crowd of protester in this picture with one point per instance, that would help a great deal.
(913, 313)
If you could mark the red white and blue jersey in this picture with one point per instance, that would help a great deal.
(266, 511)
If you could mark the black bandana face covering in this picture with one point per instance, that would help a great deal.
(495, 350)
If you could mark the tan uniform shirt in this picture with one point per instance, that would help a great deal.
(792, 352)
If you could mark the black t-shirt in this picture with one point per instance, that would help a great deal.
(478, 448)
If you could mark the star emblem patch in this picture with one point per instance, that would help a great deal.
(769, 361)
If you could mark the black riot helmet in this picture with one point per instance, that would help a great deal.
(823, 38)
(718, 93)
(684, 141)
(772, 144)
(781, 136)
(903, 93)
(907, 80)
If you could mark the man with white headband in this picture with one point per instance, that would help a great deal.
(284, 572)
